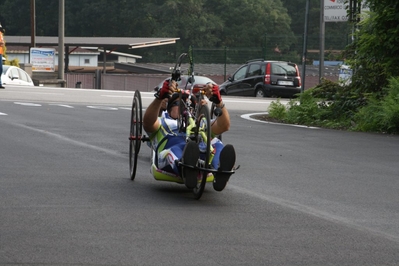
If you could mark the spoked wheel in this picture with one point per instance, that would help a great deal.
(136, 128)
(203, 139)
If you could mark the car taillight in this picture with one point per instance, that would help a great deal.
(267, 75)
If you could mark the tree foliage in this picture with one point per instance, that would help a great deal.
(374, 53)
(263, 24)
(381, 115)
(371, 101)
(202, 23)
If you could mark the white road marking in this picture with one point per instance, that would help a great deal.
(63, 105)
(28, 104)
(102, 107)
(35, 92)
(248, 117)
(117, 96)
(3, 113)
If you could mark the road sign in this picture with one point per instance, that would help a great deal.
(335, 11)
(42, 59)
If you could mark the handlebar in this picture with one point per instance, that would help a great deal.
(176, 70)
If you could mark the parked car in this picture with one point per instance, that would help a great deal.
(183, 83)
(262, 78)
(13, 75)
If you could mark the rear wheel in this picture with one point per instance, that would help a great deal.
(260, 93)
(135, 133)
(203, 138)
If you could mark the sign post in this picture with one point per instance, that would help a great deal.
(322, 33)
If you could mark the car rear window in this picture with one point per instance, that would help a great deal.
(283, 69)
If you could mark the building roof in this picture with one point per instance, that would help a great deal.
(104, 42)
(20, 49)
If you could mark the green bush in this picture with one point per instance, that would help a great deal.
(303, 110)
(333, 106)
(326, 105)
(277, 110)
(381, 115)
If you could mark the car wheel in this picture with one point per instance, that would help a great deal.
(259, 93)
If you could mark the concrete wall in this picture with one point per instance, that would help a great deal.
(132, 82)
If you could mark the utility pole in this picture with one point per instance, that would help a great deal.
(305, 48)
(32, 23)
(322, 36)
(61, 49)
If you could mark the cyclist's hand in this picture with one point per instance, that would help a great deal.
(213, 93)
(173, 86)
(166, 90)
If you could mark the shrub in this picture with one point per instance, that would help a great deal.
(277, 110)
(304, 110)
(381, 115)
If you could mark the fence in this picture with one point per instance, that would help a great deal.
(124, 82)
(147, 83)
(269, 47)
(218, 63)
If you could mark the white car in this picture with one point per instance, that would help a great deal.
(13, 75)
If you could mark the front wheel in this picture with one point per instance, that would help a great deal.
(203, 139)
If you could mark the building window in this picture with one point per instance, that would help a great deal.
(87, 61)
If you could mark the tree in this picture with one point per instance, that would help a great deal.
(202, 23)
(373, 55)
(248, 23)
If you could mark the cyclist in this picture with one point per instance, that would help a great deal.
(175, 148)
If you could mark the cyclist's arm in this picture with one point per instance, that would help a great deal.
(150, 118)
(222, 123)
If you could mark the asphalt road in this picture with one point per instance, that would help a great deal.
(302, 196)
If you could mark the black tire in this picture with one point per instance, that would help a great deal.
(260, 93)
(203, 124)
(136, 129)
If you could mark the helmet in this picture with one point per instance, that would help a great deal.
(184, 94)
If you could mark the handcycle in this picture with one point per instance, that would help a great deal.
(193, 122)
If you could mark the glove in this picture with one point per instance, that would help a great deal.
(216, 98)
(163, 92)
